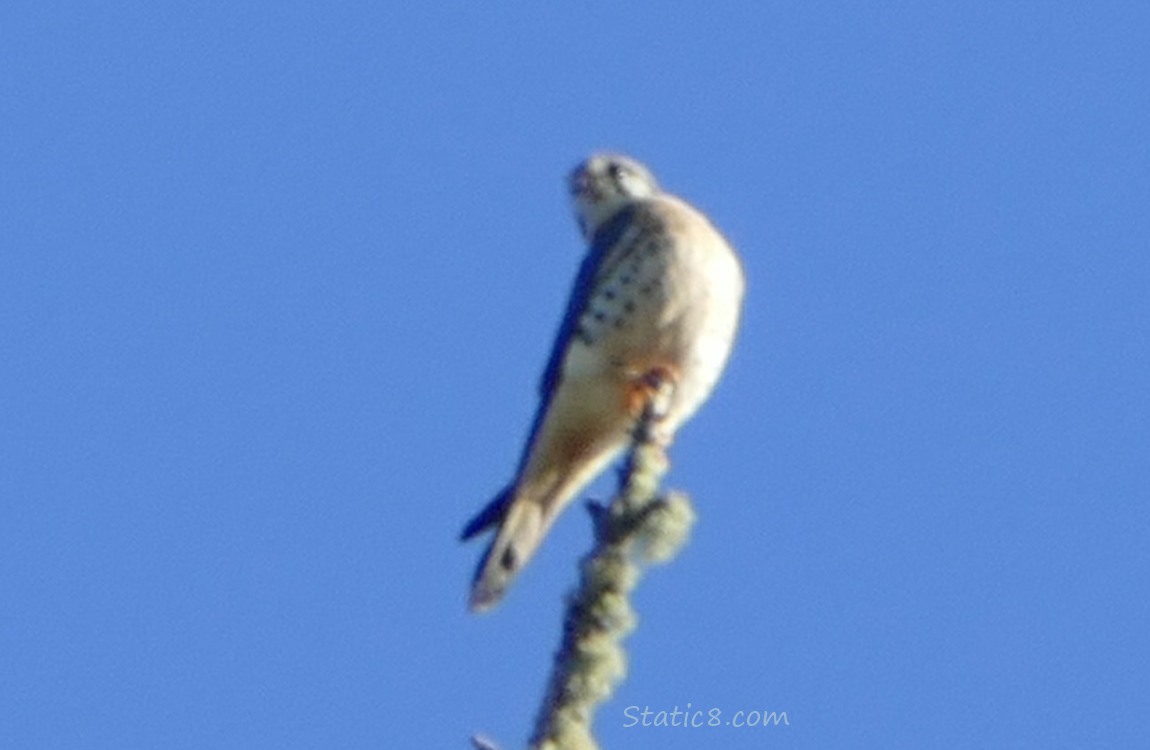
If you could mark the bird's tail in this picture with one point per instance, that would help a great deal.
(523, 521)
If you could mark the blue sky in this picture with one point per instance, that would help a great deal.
(278, 280)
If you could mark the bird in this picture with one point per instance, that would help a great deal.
(655, 307)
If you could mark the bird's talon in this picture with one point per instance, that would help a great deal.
(658, 384)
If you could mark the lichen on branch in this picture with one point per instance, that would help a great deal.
(637, 529)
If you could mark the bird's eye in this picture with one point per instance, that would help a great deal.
(615, 171)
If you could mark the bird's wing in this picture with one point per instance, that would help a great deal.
(605, 241)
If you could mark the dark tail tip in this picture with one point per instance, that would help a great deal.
(483, 600)
(490, 581)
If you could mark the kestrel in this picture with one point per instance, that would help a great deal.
(658, 298)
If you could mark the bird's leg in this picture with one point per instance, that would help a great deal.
(660, 385)
(650, 400)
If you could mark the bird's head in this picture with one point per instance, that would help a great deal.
(604, 184)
